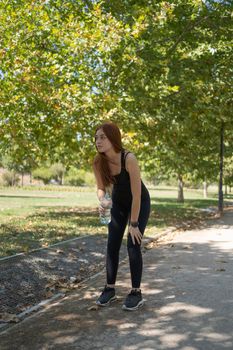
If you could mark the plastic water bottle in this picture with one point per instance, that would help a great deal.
(105, 217)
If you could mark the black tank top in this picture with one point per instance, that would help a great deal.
(121, 192)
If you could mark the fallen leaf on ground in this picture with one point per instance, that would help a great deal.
(8, 318)
(75, 250)
(49, 294)
(73, 279)
(93, 308)
(149, 245)
(63, 284)
(85, 261)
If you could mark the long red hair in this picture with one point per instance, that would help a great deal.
(113, 133)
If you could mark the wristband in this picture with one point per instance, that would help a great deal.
(134, 223)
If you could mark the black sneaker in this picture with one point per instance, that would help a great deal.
(133, 301)
(106, 297)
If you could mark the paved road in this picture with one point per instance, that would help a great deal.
(188, 287)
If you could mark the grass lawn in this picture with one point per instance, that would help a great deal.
(30, 219)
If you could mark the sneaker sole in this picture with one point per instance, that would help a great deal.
(140, 304)
(106, 304)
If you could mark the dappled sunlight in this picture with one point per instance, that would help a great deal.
(168, 320)
(213, 336)
(127, 326)
(152, 291)
(63, 340)
(67, 317)
(185, 310)
(187, 287)
(173, 340)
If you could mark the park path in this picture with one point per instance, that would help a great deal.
(188, 287)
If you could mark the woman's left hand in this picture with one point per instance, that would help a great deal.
(135, 234)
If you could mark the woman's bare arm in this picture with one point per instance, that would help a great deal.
(135, 182)
(100, 186)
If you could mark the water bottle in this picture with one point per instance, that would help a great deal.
(105, 217)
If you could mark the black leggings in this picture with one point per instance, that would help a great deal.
(116, 229)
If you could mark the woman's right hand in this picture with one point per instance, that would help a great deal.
(101, 209)
(104, 203)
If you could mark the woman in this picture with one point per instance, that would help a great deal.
(115, 167)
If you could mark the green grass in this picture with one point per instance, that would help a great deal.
(229, 197)
(45, 227)
(21, 198)
(167, 212)
(30, 219)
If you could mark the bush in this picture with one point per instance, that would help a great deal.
(55, 174)
(44, 174)
(89, 179)
(10, 178)
(75, 177)
(58, 171)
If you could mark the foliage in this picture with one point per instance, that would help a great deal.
(162, 70)
(44, 173)
(10, 178)
(58, 171)
(77, 177)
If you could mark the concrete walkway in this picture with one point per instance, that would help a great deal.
(188, 287)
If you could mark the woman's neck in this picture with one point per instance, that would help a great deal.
(112, 156)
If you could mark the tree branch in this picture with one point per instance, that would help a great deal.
(188, 28)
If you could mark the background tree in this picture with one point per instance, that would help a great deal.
(162, 68)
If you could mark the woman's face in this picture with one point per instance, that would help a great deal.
(102, 142)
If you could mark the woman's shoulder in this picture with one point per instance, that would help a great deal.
(129, 155)
(130, 160)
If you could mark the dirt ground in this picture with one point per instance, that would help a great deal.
(27, 279)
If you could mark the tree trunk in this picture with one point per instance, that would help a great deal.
(205, 186)
(22, 176)
(180, 198)
(221, 155)
(230, 189)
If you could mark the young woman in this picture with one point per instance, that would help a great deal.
(117, 168)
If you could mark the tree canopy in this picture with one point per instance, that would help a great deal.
(162, 70)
